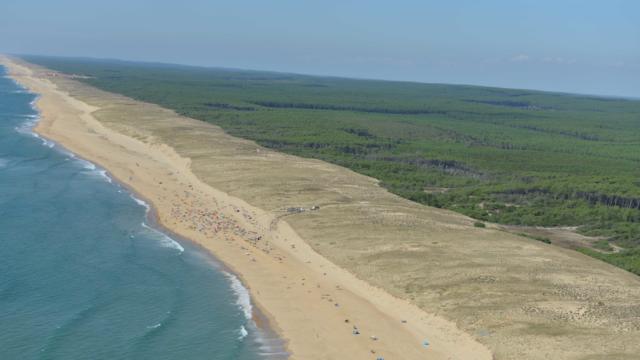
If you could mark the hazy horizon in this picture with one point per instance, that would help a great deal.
(572, 47)
(213, 67)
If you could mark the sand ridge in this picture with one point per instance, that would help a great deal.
(521, 298)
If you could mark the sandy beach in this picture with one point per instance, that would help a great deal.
(365, 274)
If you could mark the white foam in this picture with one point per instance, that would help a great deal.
(243, 333)
(141, 203)
(103, 174)
(87, 165)
(94, 170)
(242, 294)
(34, 101)
(26, 128)
(47, 143)
(91, 167)
(165, 241)
(154, 326)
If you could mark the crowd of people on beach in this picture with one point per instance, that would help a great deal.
(227, 222)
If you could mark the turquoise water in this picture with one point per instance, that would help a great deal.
(82, 276)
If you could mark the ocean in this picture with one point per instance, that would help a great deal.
(85, 275)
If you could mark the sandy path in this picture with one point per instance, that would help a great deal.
(311, 302)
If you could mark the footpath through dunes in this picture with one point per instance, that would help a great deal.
(522, 298)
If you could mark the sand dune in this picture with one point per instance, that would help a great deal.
(401, 273)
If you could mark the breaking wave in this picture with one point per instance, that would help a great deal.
(243, 333)
(93, 169)
(165, 241)
(243, 299)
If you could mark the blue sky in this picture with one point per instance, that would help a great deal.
(564, 45)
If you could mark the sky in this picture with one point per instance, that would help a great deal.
(589, 47)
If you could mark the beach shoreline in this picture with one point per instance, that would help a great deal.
(304, 321)
(259, 318)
